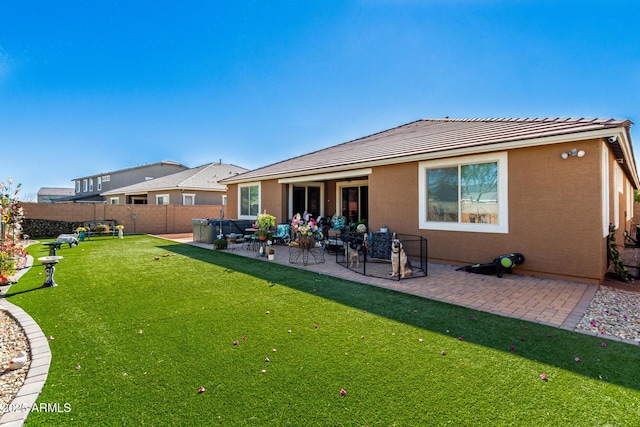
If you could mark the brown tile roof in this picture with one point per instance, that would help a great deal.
(430, 138)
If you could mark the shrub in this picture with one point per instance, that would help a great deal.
(220, 244)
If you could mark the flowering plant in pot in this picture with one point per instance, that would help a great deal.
(81, 233)
(307, 230)
(265, 223)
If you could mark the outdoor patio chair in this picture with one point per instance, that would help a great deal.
(233, 240)
(334, 242)
(283, 234)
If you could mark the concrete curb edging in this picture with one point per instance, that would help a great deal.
(38, 369)
(40, 356)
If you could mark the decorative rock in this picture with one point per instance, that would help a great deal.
(614, 312)
(18, 361)
(12, 340)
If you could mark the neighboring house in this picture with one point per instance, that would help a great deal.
(197, 186)
(88, 188)
(475, 188)
(51, 194)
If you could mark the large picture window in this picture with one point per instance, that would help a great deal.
(465, 194)
(249, 201)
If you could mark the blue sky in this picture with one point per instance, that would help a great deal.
(95, 86)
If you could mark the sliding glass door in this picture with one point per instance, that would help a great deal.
(307, 198)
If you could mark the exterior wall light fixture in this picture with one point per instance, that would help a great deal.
(574, 152)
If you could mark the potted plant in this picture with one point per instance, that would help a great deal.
(120, 228)
(81, 231)
(263, 234)
(307, 230)
(265, 223)
(272, 254)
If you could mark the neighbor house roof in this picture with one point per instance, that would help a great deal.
(56, 191)
(437, 138)
(204, 177)
(164, 162)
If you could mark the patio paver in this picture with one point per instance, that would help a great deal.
(558, 303)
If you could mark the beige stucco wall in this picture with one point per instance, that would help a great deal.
(555, 213)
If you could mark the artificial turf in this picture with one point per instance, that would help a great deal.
(139, 325)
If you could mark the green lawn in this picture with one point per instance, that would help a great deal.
(320, 334)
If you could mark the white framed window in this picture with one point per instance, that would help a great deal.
(114, 200)
(77, 186)
(99, 179)
(162, 199)
(91, 184)
(85, 185)
(188, 199)
(249, 200)
(224, 200)
(464, 194)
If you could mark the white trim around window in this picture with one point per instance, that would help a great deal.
(114, 200)
(188, 199)
(162, 199)
(502, 224)
(340, 185)
(252, 210)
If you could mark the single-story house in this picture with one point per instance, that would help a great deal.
(475, 188)
(51, 194)
(196, 186)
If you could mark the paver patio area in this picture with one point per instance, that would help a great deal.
(557, 303)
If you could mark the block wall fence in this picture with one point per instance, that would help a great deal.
(151, 219)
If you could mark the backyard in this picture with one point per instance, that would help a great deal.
(145, 331)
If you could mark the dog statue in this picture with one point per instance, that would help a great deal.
(399, 261)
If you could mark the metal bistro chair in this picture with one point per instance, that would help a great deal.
(283, 234)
